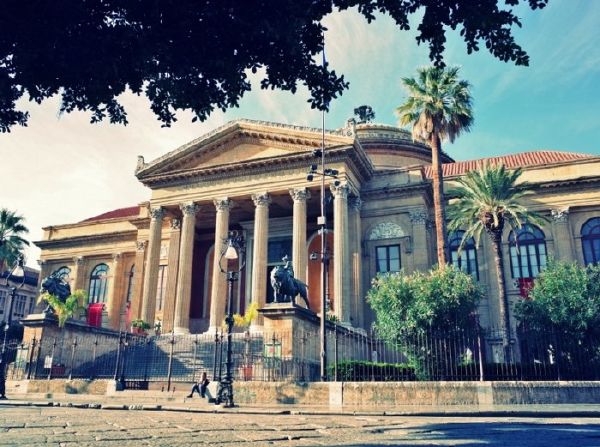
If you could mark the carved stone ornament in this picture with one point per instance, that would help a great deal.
(141, 164)
(356, 203)
(262, 199)
(117, 257)
(350, 129)
(560, 215)
(418, 217)
(189, 209)
(340, 191)
(300, 195)
(164, 251)
(140, 245)
(223, 204)
(157, 212)
(78, 260)
(175, 224)
(386, 230)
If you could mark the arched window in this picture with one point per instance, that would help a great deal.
(467, 259)
(98, 284)
(130, 276)
(527, 251)
(590, 239)
(63, 273)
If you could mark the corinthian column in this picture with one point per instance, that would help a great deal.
(341, 251)
(152, 262)
(138, 277)
(299, 248)
(114, 289)
(356, 255)
(172, 272)
(184, 274)
(260, 252)
(219, 283)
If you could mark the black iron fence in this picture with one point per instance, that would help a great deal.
(452, 355)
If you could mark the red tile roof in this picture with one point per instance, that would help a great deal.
(131, 211)
(522, 159)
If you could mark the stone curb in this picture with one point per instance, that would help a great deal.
(516, 412)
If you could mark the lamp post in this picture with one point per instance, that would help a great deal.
(325, 255)
(17, 276)
(234, 250)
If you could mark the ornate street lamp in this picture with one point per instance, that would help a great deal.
(325, 255)
(234, 250)
(16, 276)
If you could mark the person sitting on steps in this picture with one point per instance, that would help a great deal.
(200, 387)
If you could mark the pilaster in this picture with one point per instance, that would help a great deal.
(419, 219)
(356, 255)
(563, 239)
(138, 279)
(114, 297)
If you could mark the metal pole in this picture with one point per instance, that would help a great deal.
(51, 358)
(170, 366)
(31, 356)
(3, 360)
(73, 349)
(225, 393)
(116, 374)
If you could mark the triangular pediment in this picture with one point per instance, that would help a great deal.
(240, 143)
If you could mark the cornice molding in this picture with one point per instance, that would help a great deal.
(122, 236)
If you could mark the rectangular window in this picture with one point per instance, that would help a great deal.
(31, 306)
(162, 287)
(388, 258)
(19, 306)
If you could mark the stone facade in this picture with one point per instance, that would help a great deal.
(162, 256)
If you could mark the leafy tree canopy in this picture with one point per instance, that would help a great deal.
(566, 297)
(197, 55)
(365, 114)
(442, 299)
(12, 228)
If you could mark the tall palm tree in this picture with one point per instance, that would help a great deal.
(488, 199)
(438, 108)
(12, 229)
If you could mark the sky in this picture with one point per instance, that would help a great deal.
(61, 169)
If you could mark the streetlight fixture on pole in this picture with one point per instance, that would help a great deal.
(17, 276)
(234, 250)
(325, 255)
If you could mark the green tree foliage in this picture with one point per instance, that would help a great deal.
(566, 298)
(197, 56)
(72, 307)
(438, 108)
(487, 200)
(437, 306)
(12, 229)
(441, 299)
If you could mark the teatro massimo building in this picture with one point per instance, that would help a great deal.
(156, 260)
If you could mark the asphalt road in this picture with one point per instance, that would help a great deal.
(31, 426)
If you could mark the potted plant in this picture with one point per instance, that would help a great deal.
(72, 307)
(157, 326)
(244, 321)
(139, 326)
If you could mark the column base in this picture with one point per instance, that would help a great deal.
(181, 331)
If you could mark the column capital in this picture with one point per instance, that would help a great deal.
(261, 199)
(140, 245)
(223, 204)
(175, 223)
(418, 216)
(189, 209)
(157, 212)
(340, 191)
(560, 215)
(355, 203)
(78, 260)
(117, 257)
(300, 194)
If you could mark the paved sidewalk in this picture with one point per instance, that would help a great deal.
(177, 402)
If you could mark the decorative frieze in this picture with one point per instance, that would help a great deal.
(386, 230)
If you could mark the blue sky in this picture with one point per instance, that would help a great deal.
(78, 170)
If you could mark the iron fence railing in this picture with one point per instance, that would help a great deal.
(354, 355)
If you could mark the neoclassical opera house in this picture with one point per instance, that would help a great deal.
(156, 260)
